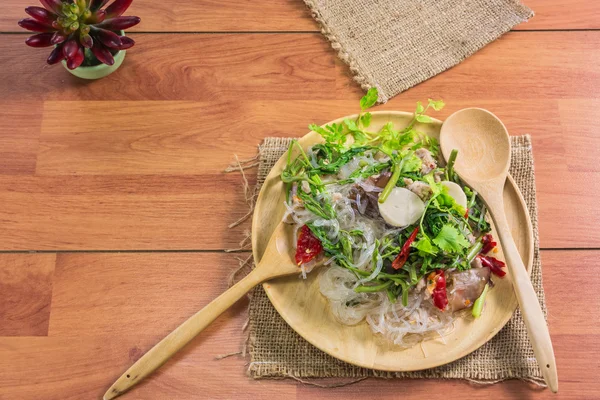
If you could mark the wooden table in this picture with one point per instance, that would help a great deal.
(114, 207)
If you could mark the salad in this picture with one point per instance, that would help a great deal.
(405, 243)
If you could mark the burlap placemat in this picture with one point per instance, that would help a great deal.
(395, 44)
(277, 351)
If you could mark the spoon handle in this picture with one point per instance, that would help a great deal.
(172, 343)
(527, 298)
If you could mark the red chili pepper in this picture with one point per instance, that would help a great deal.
(488, 244)
(467, 214)
(493, 264)
(439, 295)
(308, 246)
(403, 255)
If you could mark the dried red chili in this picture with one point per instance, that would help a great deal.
(488, 244)
(308, 246)
(493, 264)
(404, 252)
(439, 295)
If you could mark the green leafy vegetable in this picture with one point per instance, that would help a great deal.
(478, 305)
(333, 133)
(437, 105)
(425, 247)
(312, 176)
(365, 119)
(450, 240)
(369, 99)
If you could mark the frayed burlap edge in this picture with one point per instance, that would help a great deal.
(358, 75)
(258, 369)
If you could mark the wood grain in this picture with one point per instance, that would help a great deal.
(534, 66)
(198, 15)
(21, 122)
(560, 65)
(205, 67)
(113, 307)
(150, 178)
(25, 292)
(174, 159)
(289, 15)
(132, 180)
(124, 213)
(274, 264)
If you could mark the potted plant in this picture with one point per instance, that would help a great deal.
(88, 39)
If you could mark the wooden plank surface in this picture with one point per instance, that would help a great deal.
(26, 292)
(289, 15)
(139, 178)
(113, 307)
(134, 162)
(225, 67)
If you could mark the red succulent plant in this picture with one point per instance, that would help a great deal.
(74, 26)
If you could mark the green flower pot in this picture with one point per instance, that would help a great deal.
(100, 70)
(97, 71)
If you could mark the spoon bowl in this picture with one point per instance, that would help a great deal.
(483, 159)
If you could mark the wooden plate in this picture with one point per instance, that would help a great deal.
(303, 307)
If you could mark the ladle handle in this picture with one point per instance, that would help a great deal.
(528, 300)
(172, 343)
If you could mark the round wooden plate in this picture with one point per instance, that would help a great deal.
(303, 307)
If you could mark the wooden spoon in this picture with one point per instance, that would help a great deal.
(483, 159)
(277, 261)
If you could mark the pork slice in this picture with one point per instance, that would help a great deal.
(467, 286)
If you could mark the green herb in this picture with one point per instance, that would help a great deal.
(478, 305)
(441, 242)
(333, 133)
(450, 240)
(365, 119)
(425, 247)
(450, 165)
(392, 182)
(369, 99)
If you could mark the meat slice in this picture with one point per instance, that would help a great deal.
(467, 286)
(426, 157)
(419, 188)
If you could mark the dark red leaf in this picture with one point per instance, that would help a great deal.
(107, 38)
(41, 14)
(96, 17)
(97, 4)
(86, 41)
(52, 5)
(76, 60)
(58, 37)
(119, 23)
(40, 40)
(56, 55)
(126, 43)
(70, 48)
(103, 54)
(117, 8)
(35, 26)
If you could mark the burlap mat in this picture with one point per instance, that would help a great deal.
(277, 351)
(395, 44)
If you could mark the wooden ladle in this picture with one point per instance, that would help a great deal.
(277, 261)
(483, 159)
